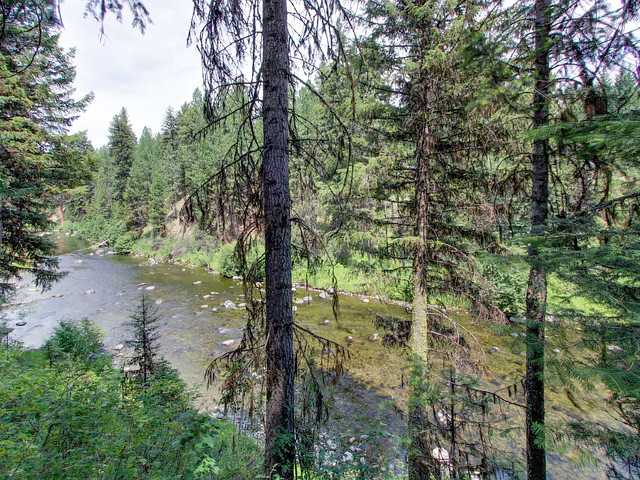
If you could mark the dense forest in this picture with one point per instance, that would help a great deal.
(471, 156)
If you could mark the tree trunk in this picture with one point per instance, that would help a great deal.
(536, 298)
(279, 433)
(421, 465)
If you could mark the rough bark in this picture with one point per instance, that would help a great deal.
(420, 459)
(279, 433)
(536, 297)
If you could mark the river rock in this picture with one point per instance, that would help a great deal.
(152, 287)
(324, 295)
(242, 305)
(206, 296)
(293, 289)
(78, 262)
(352, 440)
(298, 301)
(375, 337)
(236, 278)
(197, 283)
(494, 350)
(229, 304)
(58, 295)
(204, 306)
(556, 350)
(224, 331)
(119, 347)
(350, 338)
(347, 457)
(90, 291)
(294, 308)
(614, 348)
(33, 289)
(325, 322)
(159, 301)
(307, 298)
(331, 291)
(230, 343)
(21, 324)
(365, 300)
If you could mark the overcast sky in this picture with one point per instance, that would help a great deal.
(143, 73)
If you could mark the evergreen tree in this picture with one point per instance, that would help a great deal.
(143, 169)
(36, 88)
(122, 145)
(145, 339)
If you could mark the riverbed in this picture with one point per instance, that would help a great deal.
(196, 327)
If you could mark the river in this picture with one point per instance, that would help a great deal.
(106, 288)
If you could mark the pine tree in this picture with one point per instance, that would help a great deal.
(36, 88)
(144, 323)
(145, 165)
(122, 144)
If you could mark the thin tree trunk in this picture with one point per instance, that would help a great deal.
(279, 433)
(536, 298)
(421, 465)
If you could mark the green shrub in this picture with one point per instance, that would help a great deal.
(77, 341)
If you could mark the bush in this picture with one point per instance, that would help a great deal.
(77, 341)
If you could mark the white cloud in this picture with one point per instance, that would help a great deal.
(143, 73)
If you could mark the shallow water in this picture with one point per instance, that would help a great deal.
(107, 287)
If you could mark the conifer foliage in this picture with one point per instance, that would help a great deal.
(36, 158)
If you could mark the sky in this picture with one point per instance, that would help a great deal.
(146, 74)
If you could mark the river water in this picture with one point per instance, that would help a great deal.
(106, 288)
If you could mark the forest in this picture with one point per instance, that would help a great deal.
(475, 162)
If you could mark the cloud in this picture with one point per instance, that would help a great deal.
(143, 73)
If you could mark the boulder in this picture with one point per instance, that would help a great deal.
(229, 304)
(324, 295)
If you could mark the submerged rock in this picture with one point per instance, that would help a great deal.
(90, 291)
(152, 287)
(21, 324)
